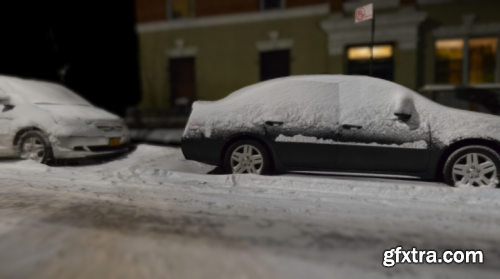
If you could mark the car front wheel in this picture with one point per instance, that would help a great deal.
(472, 166)
(36, 146)
(247, 156)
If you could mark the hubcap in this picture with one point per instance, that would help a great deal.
(33, 149)
(247, 159)
(474, 169)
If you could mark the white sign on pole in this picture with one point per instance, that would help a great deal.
(363, 13)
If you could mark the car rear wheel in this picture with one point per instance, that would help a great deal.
(473, 166)
(247, 156)
(35, 145)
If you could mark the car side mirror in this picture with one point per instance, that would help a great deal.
(5, 100)
(403, 116)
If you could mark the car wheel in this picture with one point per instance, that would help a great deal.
(35, 145)
(472, 166)
(247, 156)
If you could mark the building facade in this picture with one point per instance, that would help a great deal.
(205, 49)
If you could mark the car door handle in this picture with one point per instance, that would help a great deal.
(351, 127)
(274, 123)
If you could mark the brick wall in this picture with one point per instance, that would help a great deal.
(219, 7)
(407, 2)
(156, 10)
(336, 6)
(300, 3)
(150, 10)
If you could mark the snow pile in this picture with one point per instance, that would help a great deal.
(303, 139)
(416, 145)
(493, 184)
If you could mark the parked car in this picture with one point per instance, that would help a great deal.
(44, 121)
(346, 124)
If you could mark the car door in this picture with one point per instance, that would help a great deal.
(382, 130)
(304, 134)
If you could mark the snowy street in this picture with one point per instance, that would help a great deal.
(152, 214)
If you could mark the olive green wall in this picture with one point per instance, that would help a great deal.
(227, 57)
(405, 67)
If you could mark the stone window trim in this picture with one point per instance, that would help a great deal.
(181, 50)
(274, 43)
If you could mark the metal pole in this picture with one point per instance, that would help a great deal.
(371, 46)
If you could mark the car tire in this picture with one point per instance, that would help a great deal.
(472, 166)
(35, 145)
(247, 156)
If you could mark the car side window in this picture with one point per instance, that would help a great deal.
(366, 101)
(305, 103)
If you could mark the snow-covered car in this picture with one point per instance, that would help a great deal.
(346, 124)
(44, 121)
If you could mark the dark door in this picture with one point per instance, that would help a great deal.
(305, 132)
(373, 138)
(363, 148)
(274, 64)
(313, 149)
(182, 82)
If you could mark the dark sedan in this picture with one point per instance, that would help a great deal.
(346, 124)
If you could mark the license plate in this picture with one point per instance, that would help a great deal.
(114, 142)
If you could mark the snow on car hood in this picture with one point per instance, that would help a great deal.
(38, 92)
(450, 125)
(84, 113)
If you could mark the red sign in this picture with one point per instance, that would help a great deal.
(363, 13)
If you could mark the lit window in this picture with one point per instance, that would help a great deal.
(482, 57)
(449, 55)
(359, 61)
(271, 4)
(363, 52)
(180, 8)
(480, 63)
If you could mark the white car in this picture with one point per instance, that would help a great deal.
(43, 121)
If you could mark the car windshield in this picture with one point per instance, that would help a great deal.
(38, 92)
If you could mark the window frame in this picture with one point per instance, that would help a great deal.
(262, 3)
(466, 57)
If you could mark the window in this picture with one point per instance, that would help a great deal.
(272, 4)
(179, 8)
(274, 64)
(477, 56)
(482, 57)
(449, 56)
(359, 61)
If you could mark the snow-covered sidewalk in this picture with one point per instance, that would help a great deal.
(284, 226)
